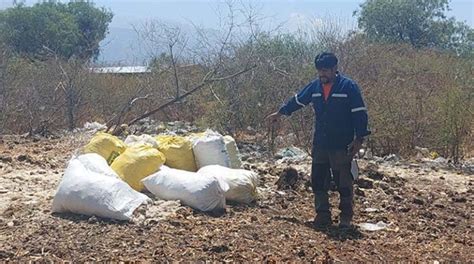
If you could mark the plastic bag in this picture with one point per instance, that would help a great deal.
(90, 187)
(178, 152)
(106, 145)
(232, 152)
(242, 183)
(136, 163)
(144, 139)
(201, 192)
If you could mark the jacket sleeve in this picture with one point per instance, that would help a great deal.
(298, 101)
(358, 112)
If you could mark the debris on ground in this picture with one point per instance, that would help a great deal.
(423, 208)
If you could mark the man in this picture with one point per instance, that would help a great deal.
(340, 128)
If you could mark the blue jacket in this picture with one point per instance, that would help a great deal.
(340, 119)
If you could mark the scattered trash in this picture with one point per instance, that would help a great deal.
(94, 127)
(133, 140)
(373, 227)
(354, 169)
(371, 210)
(291, 154)
(392, 158)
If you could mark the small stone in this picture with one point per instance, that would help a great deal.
(383, 185)
(375, 175)
(23, 157)
(418, 200)
(459, 199)
(359, 192)
(10, 224)
(92, 220)
(301, 253)
(403, 209)
(365, 183)
(6, 159)
(397, 198)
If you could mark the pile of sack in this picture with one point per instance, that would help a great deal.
(200, 170)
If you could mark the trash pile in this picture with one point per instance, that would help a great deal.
(111, 178)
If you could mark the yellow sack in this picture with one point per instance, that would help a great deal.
(178, 152)
(136, 163)
(106, 145)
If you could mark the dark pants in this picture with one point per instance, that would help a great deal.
(340, 163)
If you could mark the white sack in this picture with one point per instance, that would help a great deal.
(242, 183)
(90, 187)
(210, 150)
(192, 189)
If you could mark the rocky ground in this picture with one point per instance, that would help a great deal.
(424, 208)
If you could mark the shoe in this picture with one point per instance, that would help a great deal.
(322, 220)
(345, 221)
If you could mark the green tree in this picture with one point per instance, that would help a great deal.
(421, 23)
(71, 30)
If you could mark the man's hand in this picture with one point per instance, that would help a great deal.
(273, 118)
(354, 147)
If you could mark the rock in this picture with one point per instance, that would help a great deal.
(278, 156)
(23, 157)
(383, 185)
(288, 179)
(459, 199)
(6, 159)
(403, 209)
(10, 224)
(397, 198)
(92, 219)
(375, 175)
(440, 160)
(359, 192)
(418, 200)
(392, 157)
(365, 183)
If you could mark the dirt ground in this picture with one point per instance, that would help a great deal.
(428, 209)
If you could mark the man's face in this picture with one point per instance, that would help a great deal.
(327, 75)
